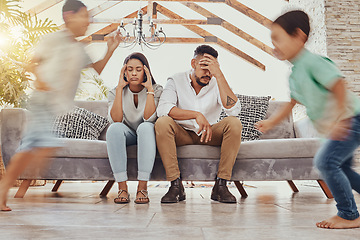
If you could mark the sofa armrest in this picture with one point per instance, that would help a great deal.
(12, 128)
(305, 129)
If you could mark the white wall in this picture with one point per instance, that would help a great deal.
(317, 39)
(242, 76)
(169, 59)
(316, 11)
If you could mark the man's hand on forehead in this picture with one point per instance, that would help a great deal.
(206, 55)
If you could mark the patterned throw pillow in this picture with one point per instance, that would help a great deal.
(80, 123)
(253, 109)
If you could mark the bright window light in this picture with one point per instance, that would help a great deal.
(3, 40)
(17, 33)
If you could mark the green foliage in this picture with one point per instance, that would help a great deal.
(19, 33)
(92, 87)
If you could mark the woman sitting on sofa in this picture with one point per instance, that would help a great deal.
(132, 109)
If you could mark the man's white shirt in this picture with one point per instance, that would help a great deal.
(179, 92)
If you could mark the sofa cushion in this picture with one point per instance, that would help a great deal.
(253, 109)
(285, 129)
(82, 148)
(80, 123)
(262, 149)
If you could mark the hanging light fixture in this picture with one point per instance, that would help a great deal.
(156, 38)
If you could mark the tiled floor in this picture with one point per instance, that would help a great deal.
(271, 211)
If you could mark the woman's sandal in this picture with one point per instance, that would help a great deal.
(122, 200)
(142, 200)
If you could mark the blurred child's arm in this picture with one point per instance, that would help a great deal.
(339, 91)
(38, 84)
(112, 44)
(266, 125)
(340, 129)
(100, 65)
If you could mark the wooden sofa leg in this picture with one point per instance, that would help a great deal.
(23, 188)
(293, 186)
(57, 185)
(325, 189)
(241, 189)
(107, 188)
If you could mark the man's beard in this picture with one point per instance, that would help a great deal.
(201, 83)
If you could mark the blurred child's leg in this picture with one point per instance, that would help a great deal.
(353, 176)
(17, 165)
(334, 163)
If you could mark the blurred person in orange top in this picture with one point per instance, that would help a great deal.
(57, 64)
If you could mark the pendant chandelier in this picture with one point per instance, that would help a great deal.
(154, 41)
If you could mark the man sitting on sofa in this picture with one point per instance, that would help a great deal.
(189, 108)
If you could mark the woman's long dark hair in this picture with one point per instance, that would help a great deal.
(143, 60)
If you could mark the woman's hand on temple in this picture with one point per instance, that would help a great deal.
(148, 83)
(122, 83)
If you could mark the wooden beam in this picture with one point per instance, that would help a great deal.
(98, 9)
(220, 1)
(241, 54)
(195, 7)
(155, 21)
(92, 12)
(168, 40)
(172, 15)
(102, 7)
(42, 7)
(203, 33)
(150, 7)
(112, 27)
(249, 12)
(154, 15)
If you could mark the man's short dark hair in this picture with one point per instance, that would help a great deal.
(72, 6)
(202, 49)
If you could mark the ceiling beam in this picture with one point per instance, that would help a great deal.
(158, 21)
(112, 27)
(42, 7)
(103, 7)
(175, 0)
(195, 7)
(249, 12)
(102, 38)
(153, 14)
(99, 9)
(211, 38)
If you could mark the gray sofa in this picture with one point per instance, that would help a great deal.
(280, 155)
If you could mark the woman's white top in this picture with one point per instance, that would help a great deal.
(132, 115)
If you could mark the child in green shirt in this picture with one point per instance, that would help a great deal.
(317, 84)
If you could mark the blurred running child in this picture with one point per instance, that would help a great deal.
(57, 65)
(317, 83)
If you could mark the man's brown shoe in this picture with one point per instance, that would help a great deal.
(221, 193)
(176, 192)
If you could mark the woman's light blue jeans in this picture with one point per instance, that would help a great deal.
(118, 136)
(334, 160)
